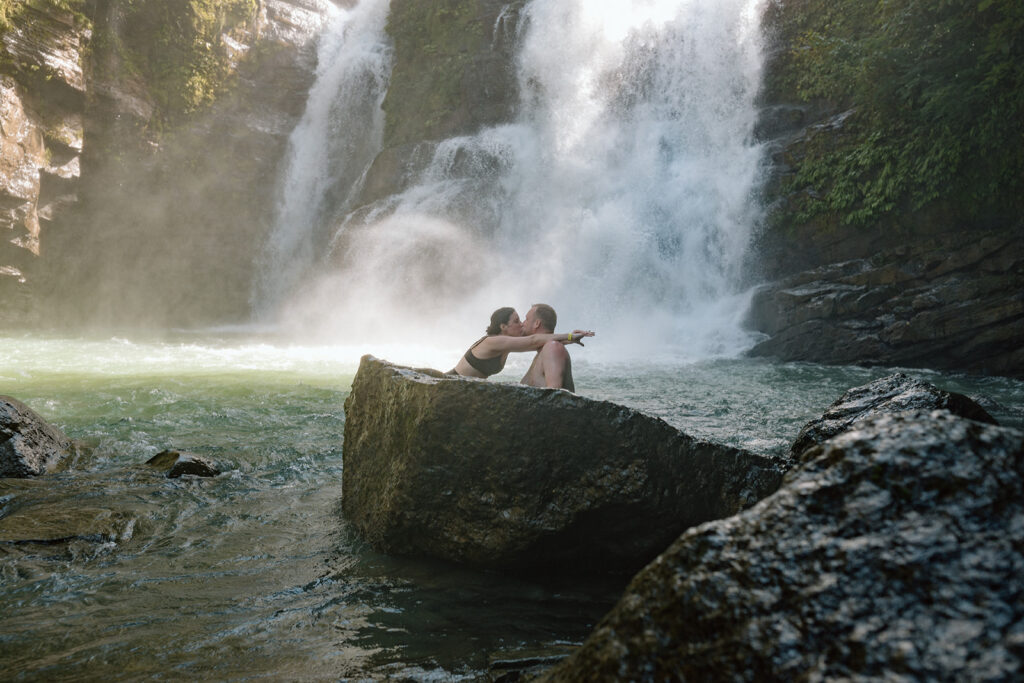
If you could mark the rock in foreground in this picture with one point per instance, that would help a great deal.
(893, 552)
(514, 477)
(893, 394)
(29, 446)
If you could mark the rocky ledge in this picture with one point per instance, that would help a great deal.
(951, 302)
(519, 478)
(892, 552)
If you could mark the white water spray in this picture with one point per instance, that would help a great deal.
(623, 195)
(328, 152)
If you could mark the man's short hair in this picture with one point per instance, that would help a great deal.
(547, 316)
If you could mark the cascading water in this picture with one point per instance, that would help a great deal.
(328, 152)
(623, 194)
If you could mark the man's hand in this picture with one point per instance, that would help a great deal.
(578, 335)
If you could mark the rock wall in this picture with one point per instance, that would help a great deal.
(120, 171)
(453, 74)
(955, 303)
(933, 283)
(153, 156)
(42, 92)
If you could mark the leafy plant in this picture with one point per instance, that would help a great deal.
(177, 47)
(937, 93)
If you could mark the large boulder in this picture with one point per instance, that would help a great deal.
(521, 478)
(29, 446)
(894, 393)
(894, 552)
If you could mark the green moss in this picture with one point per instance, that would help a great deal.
(10, 10)
(435, 45)
(176, 46)
(7, 8)
(13, 14)
(937, 91)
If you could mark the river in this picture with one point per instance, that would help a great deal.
(255, 574)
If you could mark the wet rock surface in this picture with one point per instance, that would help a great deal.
(29, 446)
(177, 464)
(895, 393)
(453, 74)
(893, 552)
(519, 478)
(949, 302)
(50, 524)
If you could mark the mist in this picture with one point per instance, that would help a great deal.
(622, 192)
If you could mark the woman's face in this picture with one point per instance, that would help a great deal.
(514, 326)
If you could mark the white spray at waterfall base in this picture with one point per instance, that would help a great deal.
(336, 138)
(623, 195)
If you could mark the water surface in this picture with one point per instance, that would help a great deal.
(255, 574)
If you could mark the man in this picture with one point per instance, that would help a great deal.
(552, 366)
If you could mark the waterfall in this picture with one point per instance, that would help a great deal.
(328, 152)
(623, 194)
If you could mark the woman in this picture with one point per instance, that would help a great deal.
(487, 356)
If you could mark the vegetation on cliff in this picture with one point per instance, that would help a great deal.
(935, 91)
(11, 9)
(450, 70)
(178, 49)
(24, 17)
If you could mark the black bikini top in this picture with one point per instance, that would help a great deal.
(485, 366)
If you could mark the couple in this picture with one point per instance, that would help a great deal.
(506, 334)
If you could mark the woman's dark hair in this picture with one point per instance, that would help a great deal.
(498, 318)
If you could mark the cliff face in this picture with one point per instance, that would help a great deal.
(142, 140)
(42, 94)
(895, 196)
(140, 137)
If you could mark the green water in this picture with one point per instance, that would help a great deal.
(254, 574)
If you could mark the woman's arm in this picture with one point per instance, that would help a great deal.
(500, 343)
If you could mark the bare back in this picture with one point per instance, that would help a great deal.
(551, 367)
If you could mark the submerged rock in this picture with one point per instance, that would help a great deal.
(892, 394)
(515, 477)
(893, 552)
(50, 524)
(29, 446)
(177, 464)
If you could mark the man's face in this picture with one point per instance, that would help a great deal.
(530, 324)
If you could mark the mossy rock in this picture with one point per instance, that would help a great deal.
(453, 68)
